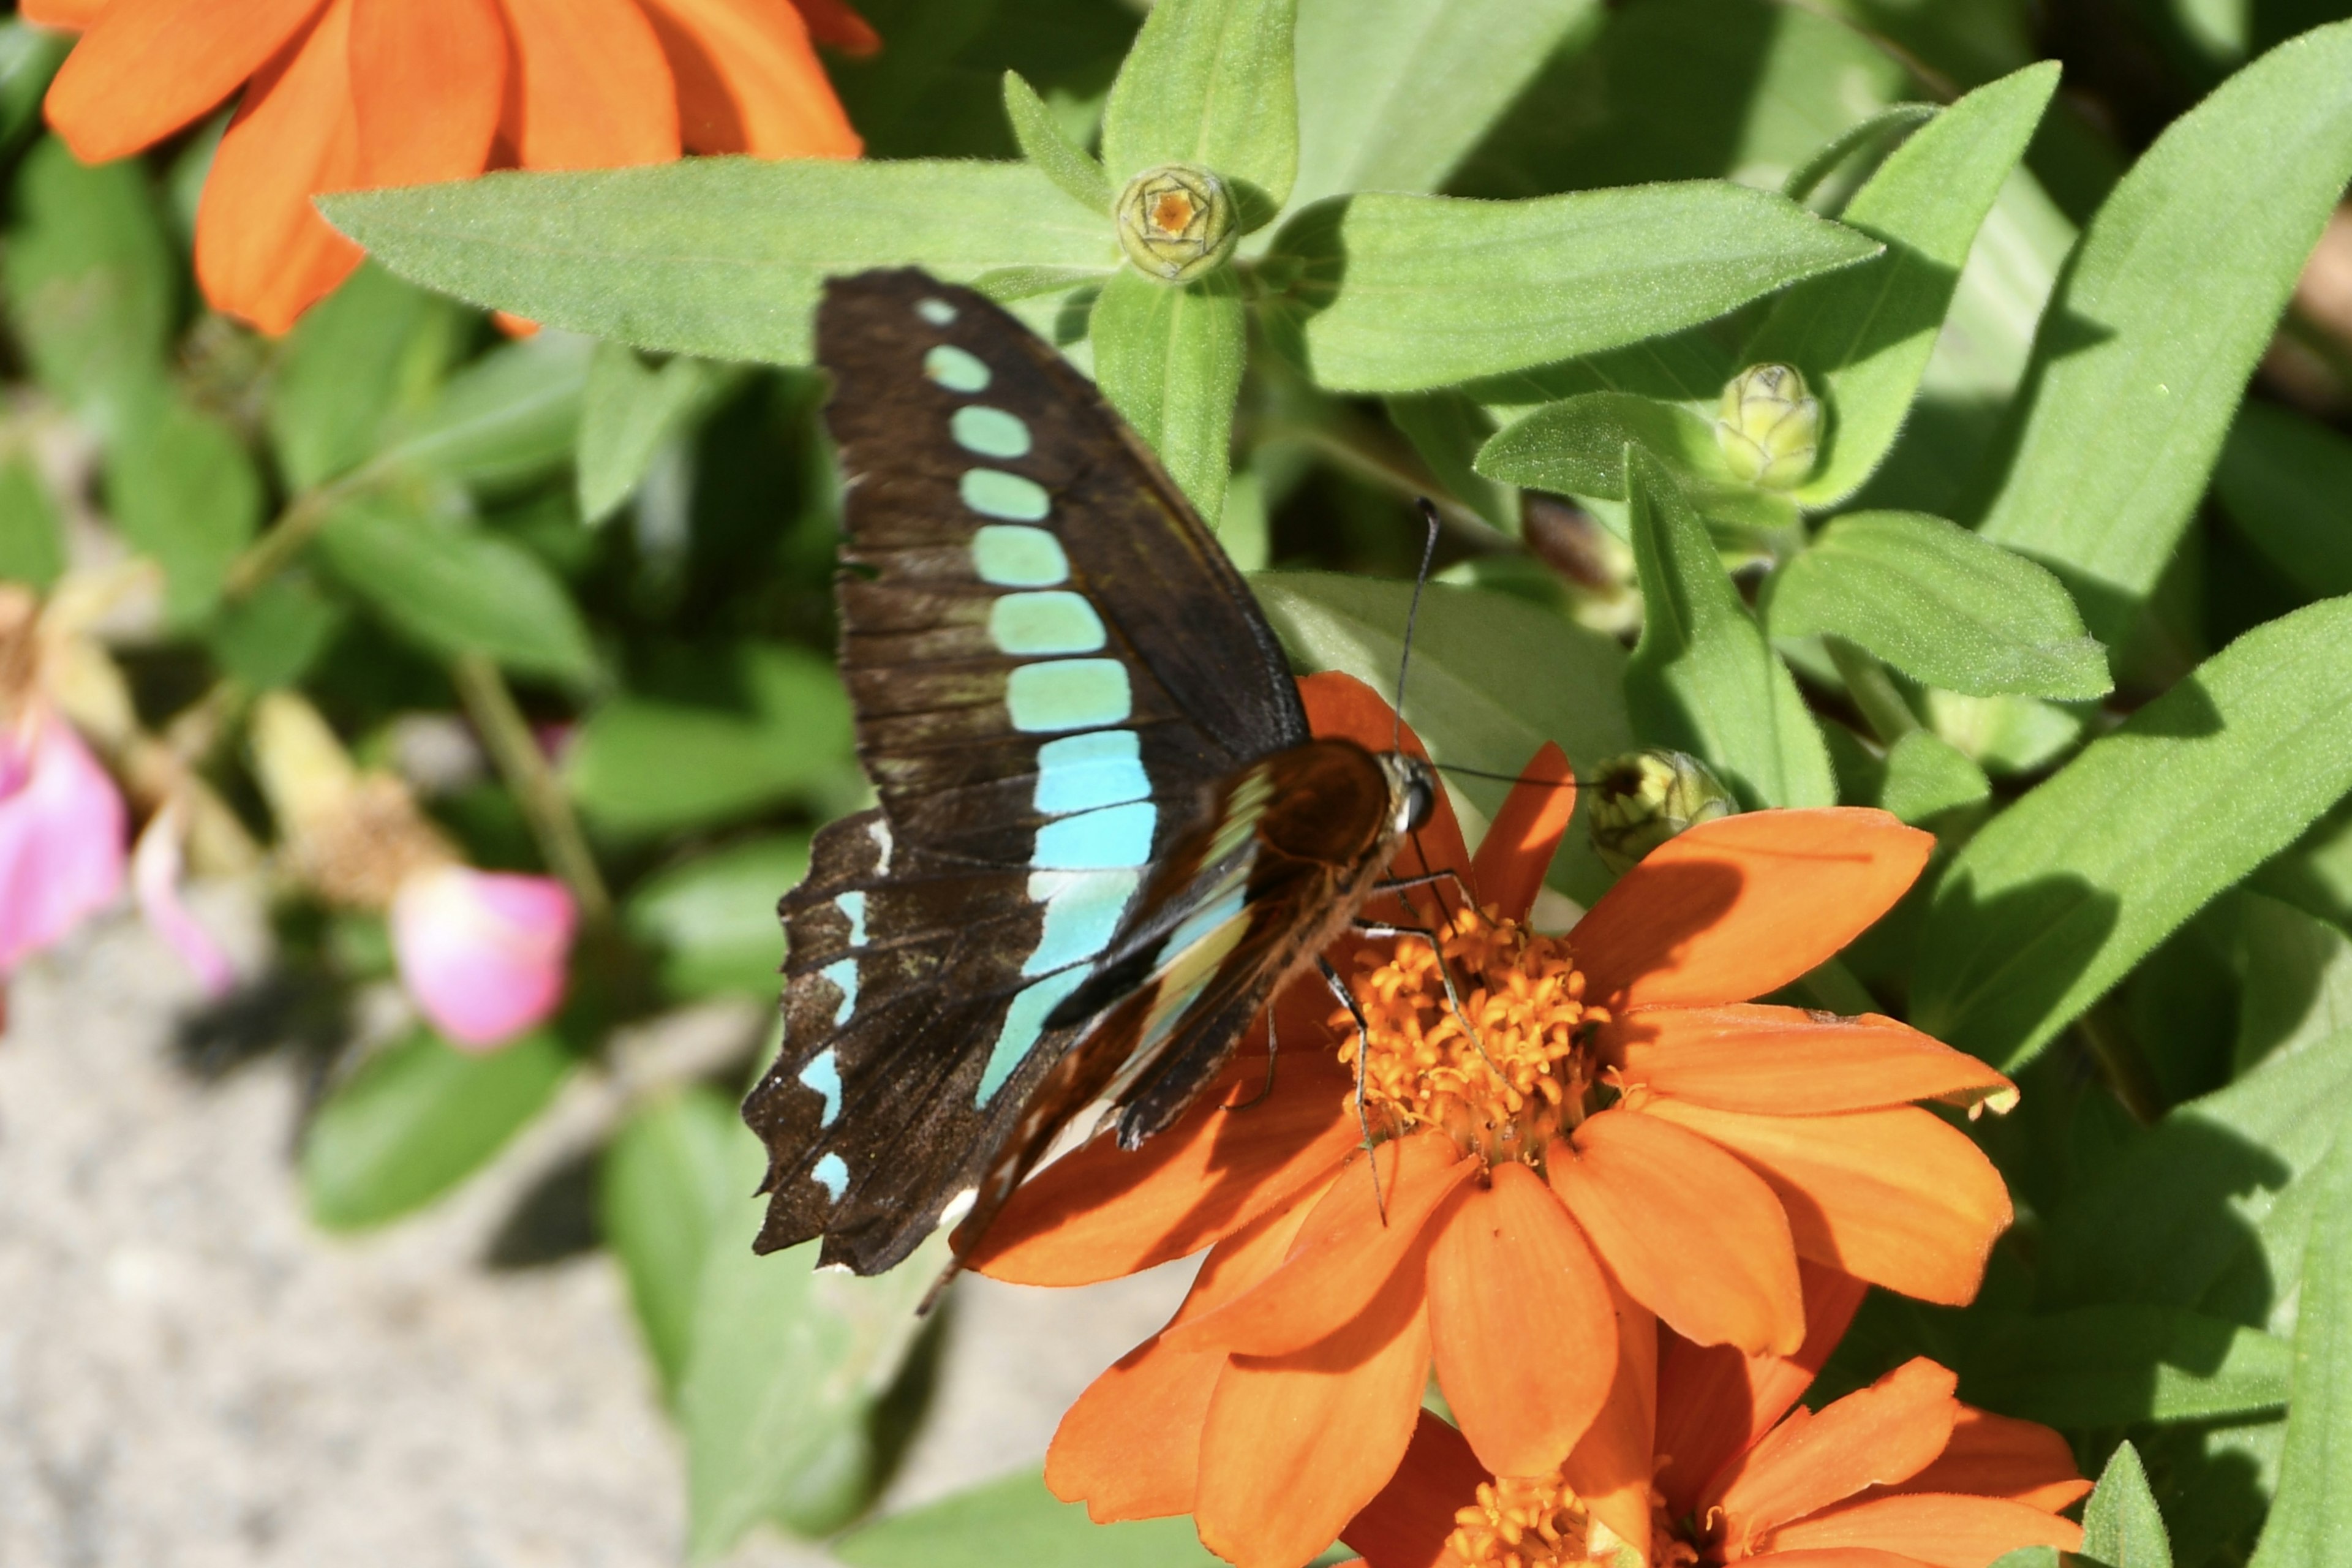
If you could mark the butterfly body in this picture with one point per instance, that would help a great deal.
(1104, 837)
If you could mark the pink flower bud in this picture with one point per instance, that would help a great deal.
(155, 869)
(61, 835)
(482, 952)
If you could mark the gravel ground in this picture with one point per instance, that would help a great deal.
(190, 1377)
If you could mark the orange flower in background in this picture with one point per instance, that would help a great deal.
(340, 94)
(1625, 1137)
(1898, 1475)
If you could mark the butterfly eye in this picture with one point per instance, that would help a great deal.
(1420, 800)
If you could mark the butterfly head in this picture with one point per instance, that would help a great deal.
(1412, 791)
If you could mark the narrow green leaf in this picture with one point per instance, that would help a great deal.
(1890, 124)
(509, 417)
(1210, 82)
(2008, 737)
(667, 1182)
(2030, 1557)
(2310, 1521)
(2286, 482)
(2297, 979)
(91, 279)
(2116, 1365)
(1402, 292)
(2121, 1526)
(1171, 361)
(1578, 447)
(1864, 337)
(371, 354)
(2062, 894)
(32, 535)
(1016, 1519)
(1941, 604)
(29, 56)
(1703, 679)
(717, 256)
(2169, 301)
(271, 636)
(184, 491)
(418, 1118)
(626, 413)
(1045, 145)
(1927, 776)
(713, 920)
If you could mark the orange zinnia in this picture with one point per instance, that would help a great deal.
(1623, 1137)
(345, 93)
(1898, 1475)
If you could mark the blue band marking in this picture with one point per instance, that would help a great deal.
(992, 492)
(1068, 694)
(989, 432)
(1098, 840)
(1082, 912)
(832, 1173)
(1206, 919)
(1054, 622)
(1018, 557)
(955, 370)
(1079, 773)
(843, 973)
(823, 1074)
(1023, 1022)
(853, 906)
(939, 312)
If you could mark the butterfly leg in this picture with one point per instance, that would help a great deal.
(1445, 974)
(1259, 1099)
(1363, 1050)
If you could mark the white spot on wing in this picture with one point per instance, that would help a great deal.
(882, 845)
(959, 1206)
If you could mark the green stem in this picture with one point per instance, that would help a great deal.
(276, 550)
(515, 750)
(1872, 691)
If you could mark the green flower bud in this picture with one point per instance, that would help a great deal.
(1177, 221)
(1769, 428)
(1644, 798)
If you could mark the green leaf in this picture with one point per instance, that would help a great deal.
(2297, 980)
(1402, 292)
(184, 492)
(1210, 82)
(93, 287)
(509, 417)
(1939, 603)
(1492, 678)
(1863, 337)
(1927, 776)
(1578, 447)
(626, 413)
(370, 355)
(642, 765)
(2062, 893)
(1447, 430)
(1703, 679)
(1045, 145)
(2116, 1365)
(2286, 482)
(32, 535)
(713, 920)
(2167, 304)
(29, 56)
(2310, 1521)
(2121, 1526)
(454, 589)
(271, 636)
(1889, 125)
(1394, 93)
(1171, 361)
(2006, 736)
(1016, 1519)
(717, 256)
(416, 1119)
(666, 1184)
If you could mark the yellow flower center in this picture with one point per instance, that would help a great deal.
(1525, 1078)
(1536, 1521)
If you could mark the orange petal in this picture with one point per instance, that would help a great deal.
(1785, 1061)
(1612, 1468)
(749, 81)
(1939, 1530)
(1520, 842)
(1895, 1197)
(1743, 905)
(1406, 1525)
(1342, 706)
(595, 90)
(1999, 1457)
(1295, 1447)
(427, 78)
(1696, 1236)
(1713, 1402)
(1887, 1432)
(148, 67)
(1843, 1557)
(262, 251)
(1346, 1254)
(71, 16)
(1520, 1322)
(1102, 1211)
(836, 26)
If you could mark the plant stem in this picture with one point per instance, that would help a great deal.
(1866, 681)
(515, 750)
(2119, 1061)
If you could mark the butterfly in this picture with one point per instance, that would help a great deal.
(1105, 835)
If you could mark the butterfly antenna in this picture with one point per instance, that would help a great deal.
(1513, 778)
(1412, 614)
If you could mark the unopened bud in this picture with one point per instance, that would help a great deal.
(352, 837)
(1177, 221)
(1770, 428)
(1644, 798)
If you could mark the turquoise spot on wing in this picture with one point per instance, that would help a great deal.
(823, 1074)
(1079, 773)
(853, 906)
(843, 973)
(939, 312)
(1018, 557)
(1082, 912)
(1098, 840)
(955, 370)
(1068, 694)
(989, 432)
(992, 492)
(832, 1173)
(1057, 622)
(1025, 1020)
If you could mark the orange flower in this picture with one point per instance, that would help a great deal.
(345, 93)
(1899, 1475)
(1623, 1137)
